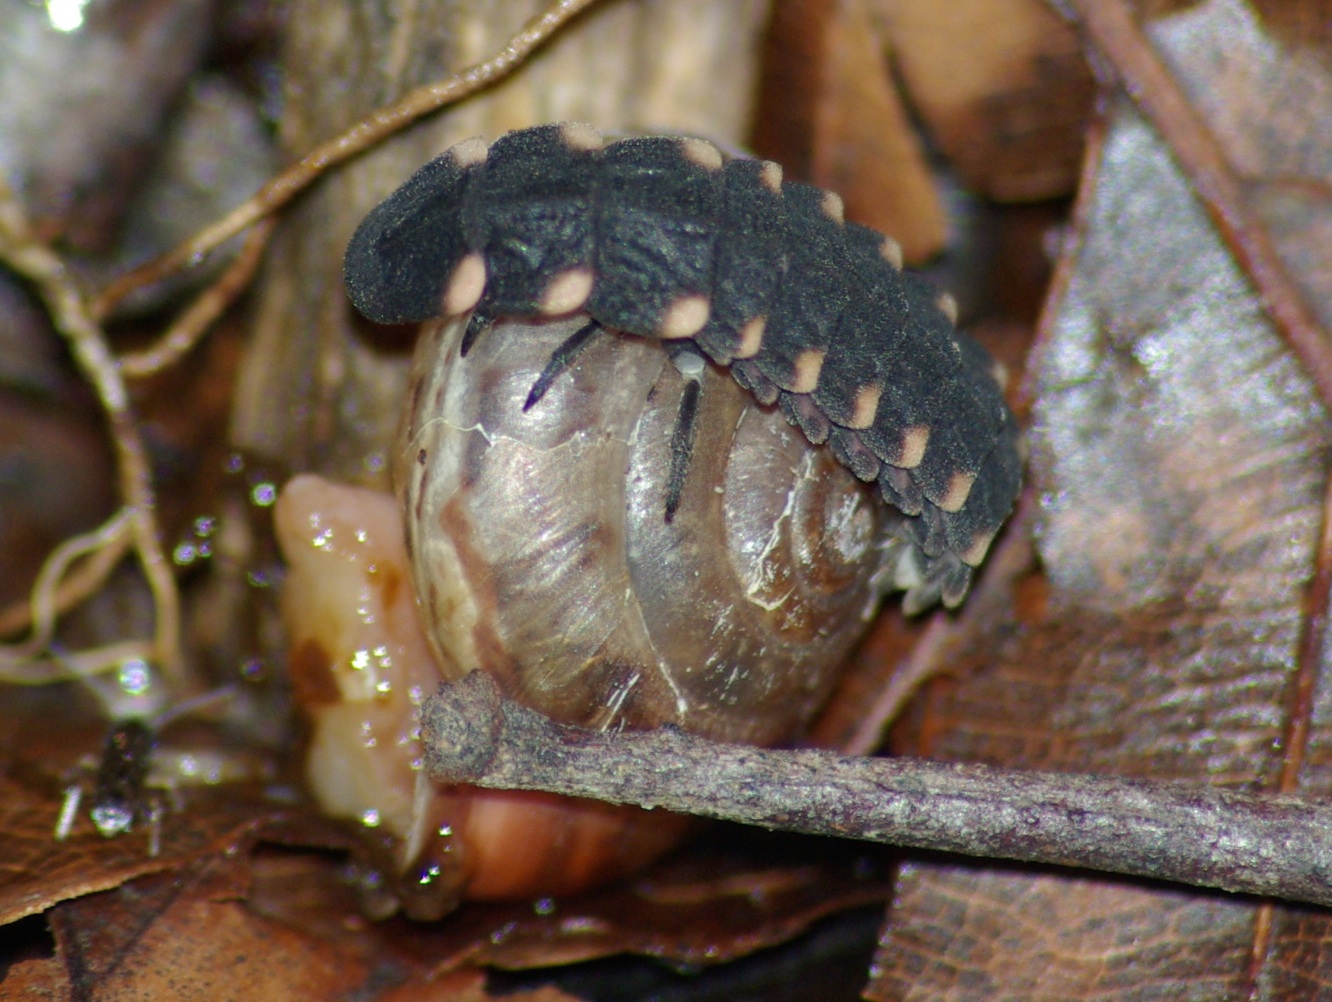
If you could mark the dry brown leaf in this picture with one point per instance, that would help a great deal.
(1001, 87)
(698, 908)
(1180, 459)
(185, 935)
(831, 115)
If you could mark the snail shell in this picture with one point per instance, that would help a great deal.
(541, 553)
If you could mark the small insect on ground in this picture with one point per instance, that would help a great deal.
(121, 794)
(132, 782)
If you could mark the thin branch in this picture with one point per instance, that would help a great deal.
(33, 260)
(185, 333)
(1277, 846)
(1112, 31)
(359, 137)
(57, 589)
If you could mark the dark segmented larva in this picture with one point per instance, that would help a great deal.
(664, 237)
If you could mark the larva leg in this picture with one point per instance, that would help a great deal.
(690, 363)
(476, 326)
(560, 360)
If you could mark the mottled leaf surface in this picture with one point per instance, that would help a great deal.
(1179, 455)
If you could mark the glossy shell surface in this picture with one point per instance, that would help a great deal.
(540, 551)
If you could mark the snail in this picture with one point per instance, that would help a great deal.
(544, 556)
(622, 534)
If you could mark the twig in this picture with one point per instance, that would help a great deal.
(1277, 846)
(32, 259)
(184, 334)
(56, 589)
(359, 137)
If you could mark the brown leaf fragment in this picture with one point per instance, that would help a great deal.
(185, 936)
(1001, 87)
(709, 904)
(701, 907)
(1179, 452)
(49, 744)
(830, 114)
(1017, 934)
(1264, 102)
(42, 978)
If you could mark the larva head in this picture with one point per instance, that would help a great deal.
(409, 251)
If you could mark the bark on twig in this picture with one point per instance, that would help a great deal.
(1277, 846)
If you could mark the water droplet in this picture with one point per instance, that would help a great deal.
(135, 677)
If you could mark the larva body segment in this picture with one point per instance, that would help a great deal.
(663, 237)
(657, 212)
(528, 210)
